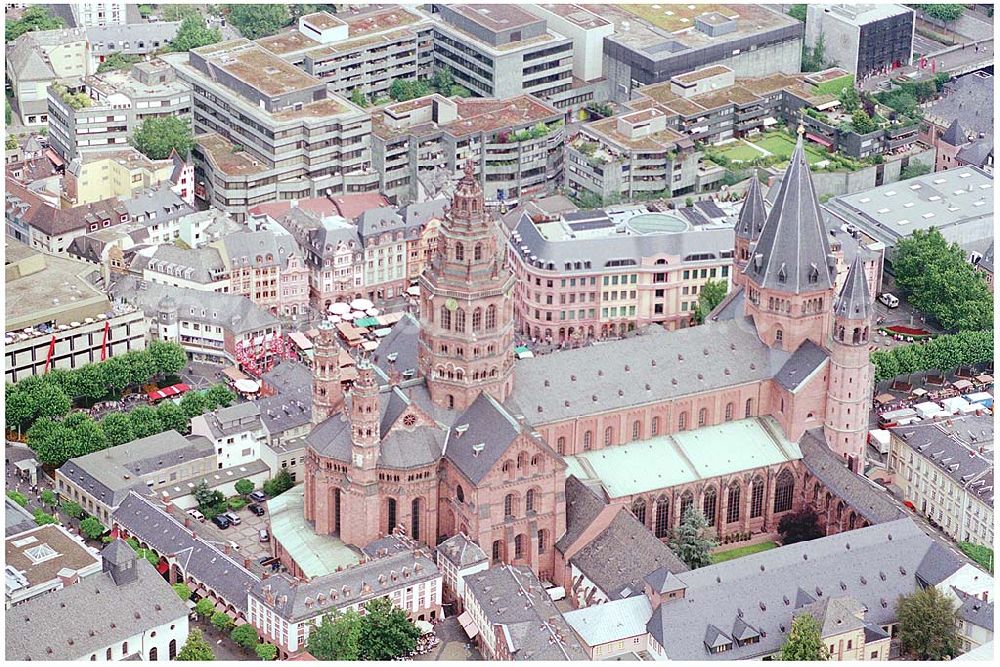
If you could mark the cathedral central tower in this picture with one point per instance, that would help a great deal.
(466, 311)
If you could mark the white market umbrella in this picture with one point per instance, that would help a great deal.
(372, 312)
(361, 304)
(340, 308)
(348, 316)
(334, 318)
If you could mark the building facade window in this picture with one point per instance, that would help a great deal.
(757, 498)
(662, 527)
(733, 504)
(639, 510)
(709, 504)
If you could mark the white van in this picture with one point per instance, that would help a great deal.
(888, 299)
(195, 514)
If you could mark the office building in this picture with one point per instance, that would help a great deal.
(863, 38)
(35, 60)
(90, 13)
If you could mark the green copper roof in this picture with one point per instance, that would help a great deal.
(704, 453)
(315, 554)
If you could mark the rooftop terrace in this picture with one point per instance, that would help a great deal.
(226, 157)
(577, 15)
(496, 17)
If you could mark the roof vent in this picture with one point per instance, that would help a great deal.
(594, 397)
(654, 362)
(881, 575)
(621, 392)
(673, 381)
(843, 586)
(785, 600)
(902, 570)
(706, 351)
(627, 369)
(647, 386)
(572, 378)
(565, 404)
(680, 357)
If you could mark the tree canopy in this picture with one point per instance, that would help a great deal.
(711, 295)
(196, 648)
(157, 137)
(194, 33)
(117, 61)
(927, 625)
(278, 484)
(34, 18)
(799, 526)
(244, 486)
(266, 652)
(337, 637)
(941, 283)
(256, 21)
(804, 641)
(183, 591)
(945, 12)
(245, 636)
(862, 122)
(92, 528)
(798, 12)
(403, 89)
(690, 542)
(386, 631)
(943, 353)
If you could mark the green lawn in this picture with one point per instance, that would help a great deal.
(834, 86)
(738, 151)
(739, 552)
(980, 554)
(782, 145)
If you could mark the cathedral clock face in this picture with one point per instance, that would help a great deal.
(451, 304)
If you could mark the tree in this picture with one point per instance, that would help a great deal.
(358, 97)
(196, 648)
(193, 33)
(711, 295)
(205, 608)
(52, 442)
(8, 113)
(386, 632)
(193, 404)
(804, 641)
(117, 428)
(913, 170)
(244, 487)
(117, 61)
(245, 636)
(222, 622)
(42, 519)
(442, 80)
(862, 122)
(157, 137)
(49, 498)
(256, 21)
(50, 401)
(183, 591)
(266, 652)
(800, 526)
(11, 142)
(72, 509)
(219, 396)
(814, 59)
(33, 18)
(402, 89)
(18, 497)
(92, 528)
(145, 422)
(206, 497)
(849, 98)
(91, 383)
(945, 13)
(690, 543)
(278, 484)
(337, 638)
(927, 625)
(172, 418)
(169, 358)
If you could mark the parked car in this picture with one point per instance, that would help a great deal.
(258, 496)
(256, 509)
(234, 546)
(221, 521)
(889, 300)
(195, 514)
(233, 518)
(263, 536)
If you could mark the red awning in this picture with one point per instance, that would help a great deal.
(910, 505)
(54, 158)
(162, 567)
(166, 392)
(819, 140)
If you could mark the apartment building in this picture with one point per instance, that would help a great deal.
(266, 130)
(267, 268)
(863, 38)
(945, 469)
(284, 610)
(37, 59)
(237, 433)
(135, 39)
(515, 143)
(596, 274)
(116, 105)
(361, 50)
(88, 13)
(123, 173)
(654, 44)
(44, 559)
(502, 51)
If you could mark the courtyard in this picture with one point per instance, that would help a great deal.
(765, 145)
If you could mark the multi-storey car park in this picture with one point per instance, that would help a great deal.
(267, 130)
(515, 143)
(653, 43)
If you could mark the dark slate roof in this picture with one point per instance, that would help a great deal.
(854, 301)
(295, 600)
(16, 518)
(752, 215)
(730, 308)
(491, 430)
(461, 551)
(986, 262)
(618, 560)
(663, 580)
(289, 376)
(968, 99)
(806, 360)
(399, 349)
(118, 553)
(827, 467)
(835, 614)
(386, 546)
(975, 611)
(792, 254)
(511, 596)
(872, 565)
(332, 438)
(955, 135)
(978, 153)
(582, 507)
(94, 613)
(197, 558)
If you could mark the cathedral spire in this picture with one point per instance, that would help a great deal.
(854, 301)
(792, 255)
(752, 216)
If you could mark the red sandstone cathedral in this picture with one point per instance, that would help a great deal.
(479, 445)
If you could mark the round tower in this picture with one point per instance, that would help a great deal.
(466, 311)
(360, 521)
(849, 391)
(327, 392)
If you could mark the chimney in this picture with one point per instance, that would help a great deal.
(187, 521)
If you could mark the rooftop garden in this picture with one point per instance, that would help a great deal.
(76, 101)
(773, 149)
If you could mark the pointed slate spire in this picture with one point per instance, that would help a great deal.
(752, 216)
(854, 301)
(792, 254)
(955, 135)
